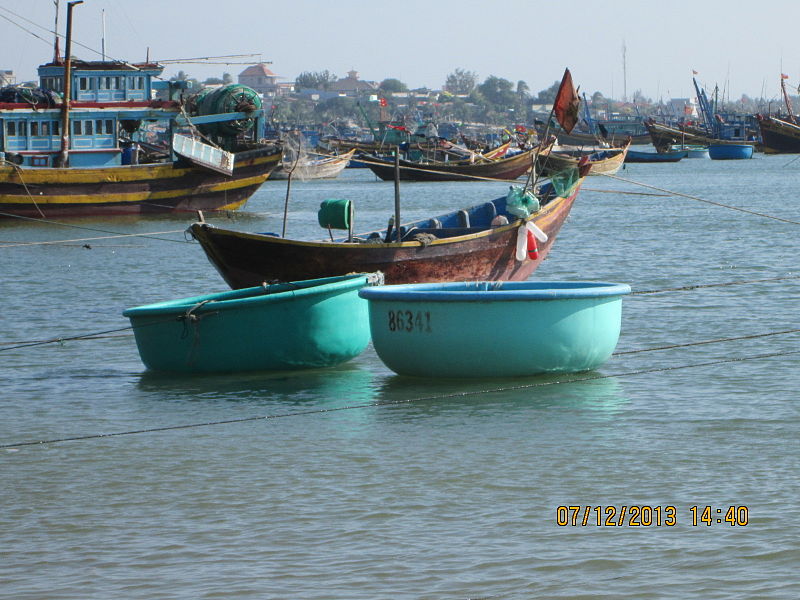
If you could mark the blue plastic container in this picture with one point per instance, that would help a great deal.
(495, 329)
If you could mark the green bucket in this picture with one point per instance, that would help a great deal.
(336, 214)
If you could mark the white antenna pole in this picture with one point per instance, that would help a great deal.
(624, 75)
(103, 43)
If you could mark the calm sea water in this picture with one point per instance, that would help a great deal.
(451, 492)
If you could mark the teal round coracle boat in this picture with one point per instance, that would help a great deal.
(299, 325)
(495, 329)
(730, 151)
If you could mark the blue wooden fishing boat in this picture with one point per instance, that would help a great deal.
(730, 151)
(91, 140)
(636, 156)
(283, 326)
(495, 329)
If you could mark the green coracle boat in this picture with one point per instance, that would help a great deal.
(275, 327)
(495, 328)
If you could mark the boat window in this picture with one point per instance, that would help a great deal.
(22, 128)
(141, 83)
(101, 83)
(109, 126)
(45, 128)
(11, 128)
(88, 129)
(83, 83)
(34, 128)
(77, 128)
(98, 126)
(92, 83)
(56, 128)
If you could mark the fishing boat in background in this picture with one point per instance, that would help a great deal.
(323, 167)
(468, 329)
(602, 161)
(780, 135)
(730, 151)
(638, 156)
(109, 149)
(478, 167)
(282, 326)
(477, 243)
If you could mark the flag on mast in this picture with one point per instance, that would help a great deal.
(567, 102)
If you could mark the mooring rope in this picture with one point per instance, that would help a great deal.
(384, 403)
(690, 197)
(704, 342)
(96, 335)
(8, 244)
(686, 288)
(116, 233)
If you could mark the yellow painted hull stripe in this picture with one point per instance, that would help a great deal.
(225, 186)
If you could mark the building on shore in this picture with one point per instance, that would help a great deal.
(7, 77)
(352, 85)
(264, 81)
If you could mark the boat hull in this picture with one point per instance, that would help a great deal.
(495, 329)
(306, 324)
(779, 136)
(663, 137)
(328, 168)
(602, 162)
(635, 156)
(248, 259)
(503, 168)
(43, 192)
(730, 151)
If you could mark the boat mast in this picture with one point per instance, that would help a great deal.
(56, 45)
(63, 157)
(787, 101)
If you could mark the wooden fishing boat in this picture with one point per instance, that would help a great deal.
(779, 136)
(297, 325)
(478, 168)
(636, 156)
(478, 243)
(132, 189)
(730, 151)
(577, 138)
(603, 161)
(124, 153)
(326, 167)
(665, 136)
(495, 329)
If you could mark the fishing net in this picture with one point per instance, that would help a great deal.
(564, 181)
(32, 96)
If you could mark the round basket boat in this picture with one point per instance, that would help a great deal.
(495, 329)
(297, 325)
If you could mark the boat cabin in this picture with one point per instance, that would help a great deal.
(108, 98)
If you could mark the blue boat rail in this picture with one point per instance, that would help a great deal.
(499, 290)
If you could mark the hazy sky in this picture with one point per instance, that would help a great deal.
(742, 48)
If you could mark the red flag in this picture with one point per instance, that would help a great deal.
(383, 102)
(784, 76)
(567, 103)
